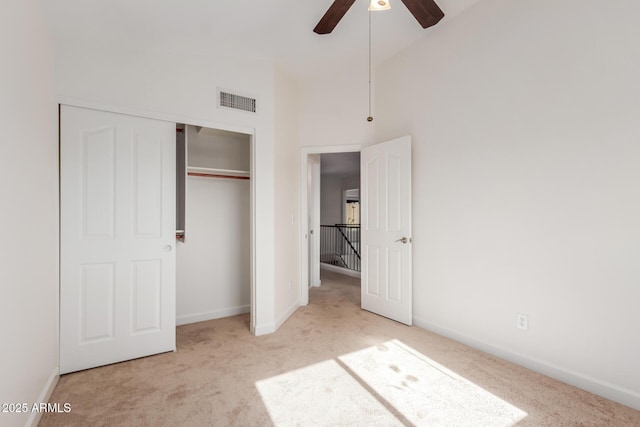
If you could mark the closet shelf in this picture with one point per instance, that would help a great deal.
(219, 173)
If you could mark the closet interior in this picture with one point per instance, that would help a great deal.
(213, 263)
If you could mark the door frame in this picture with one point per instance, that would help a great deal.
(313, 199)
(250, 131)
(304, 212)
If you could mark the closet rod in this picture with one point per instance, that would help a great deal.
(212, 175)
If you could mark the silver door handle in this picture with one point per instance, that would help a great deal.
(168, 248)
(403, 240)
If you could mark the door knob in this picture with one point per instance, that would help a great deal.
(403, 240)
(168, 248)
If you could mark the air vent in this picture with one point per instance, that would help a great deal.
(237, 102)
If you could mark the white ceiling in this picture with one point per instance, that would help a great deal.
(277, 29)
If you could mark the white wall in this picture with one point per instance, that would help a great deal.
(351, 182)
(153, 82)
(28, 185)
(211, 148)
(332, 190)
(213, 276)
(330, 200)
(333, 111)
(287, 181)
(213, 264)
(526, 154)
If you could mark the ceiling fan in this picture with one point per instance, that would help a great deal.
(426, 12)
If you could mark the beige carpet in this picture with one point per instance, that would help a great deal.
(330, 364)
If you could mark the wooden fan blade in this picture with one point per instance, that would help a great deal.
(426, 12)
(333, 15)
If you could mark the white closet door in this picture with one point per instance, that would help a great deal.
(117, 236)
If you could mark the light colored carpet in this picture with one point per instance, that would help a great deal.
(330, 364)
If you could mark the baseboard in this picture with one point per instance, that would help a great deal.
(340, 270)
(269, 328)
(210, 315)
(43, 397)
(288, 313)
(265, 329)
(593, 385)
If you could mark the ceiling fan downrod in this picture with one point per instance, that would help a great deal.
(370, 117)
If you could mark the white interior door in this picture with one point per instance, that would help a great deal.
(117, 235)
(386, 229)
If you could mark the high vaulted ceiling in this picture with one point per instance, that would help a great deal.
(277, 29)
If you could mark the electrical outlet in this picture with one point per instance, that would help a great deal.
(522, 321)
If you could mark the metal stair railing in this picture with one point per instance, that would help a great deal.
(340, 245)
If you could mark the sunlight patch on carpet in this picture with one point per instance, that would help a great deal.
(323, 394)
(426, 393)
(387, 384)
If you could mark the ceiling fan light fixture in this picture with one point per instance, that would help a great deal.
(375, 5)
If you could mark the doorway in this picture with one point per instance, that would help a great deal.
(385, 205)
(213, 248)
(309, 261)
